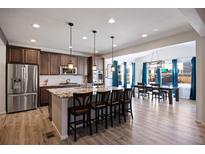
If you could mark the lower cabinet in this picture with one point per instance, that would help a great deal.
(44, 96)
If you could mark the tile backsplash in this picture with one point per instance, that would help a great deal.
(56, 79)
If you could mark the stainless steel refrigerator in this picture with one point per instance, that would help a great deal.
(22, 87)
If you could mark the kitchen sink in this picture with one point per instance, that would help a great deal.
(70, 83)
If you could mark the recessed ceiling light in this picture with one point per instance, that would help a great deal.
(114, 45)
(156, 30)
(36, 26)
(111, 21)
(84, 38)
(32, 40)
(144, 35)
(97, 51)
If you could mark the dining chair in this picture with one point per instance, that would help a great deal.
(156, 91)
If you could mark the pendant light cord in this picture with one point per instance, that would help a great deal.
(71, 41)
(112, 37)
(94, 32)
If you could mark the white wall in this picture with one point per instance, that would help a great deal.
(3, 77)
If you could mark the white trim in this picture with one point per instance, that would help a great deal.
(3, 112)
(59, 134)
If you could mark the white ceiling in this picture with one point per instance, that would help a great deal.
(54, 32)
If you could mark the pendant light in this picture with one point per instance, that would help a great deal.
(112, 67)
(70, 64)
(94, 64)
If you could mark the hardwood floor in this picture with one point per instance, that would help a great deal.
(153, 123)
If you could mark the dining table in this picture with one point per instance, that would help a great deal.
(169, 89)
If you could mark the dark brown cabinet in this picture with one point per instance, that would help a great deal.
(44, 63)
(64, 60)
(22, 55)
(31, 56)
(55, 64)
(44, 96)
(82, 65)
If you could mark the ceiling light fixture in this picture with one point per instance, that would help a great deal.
(84, 38)
(94, 64)
(36, 25)
(32, 40)
(111, 21)
(114, 45)
(144, 35)
(112, 67)
(70, 64)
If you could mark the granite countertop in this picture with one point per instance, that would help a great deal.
(60, 85)
(68, 92)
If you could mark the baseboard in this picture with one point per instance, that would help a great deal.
(3, 112)
(59, 134)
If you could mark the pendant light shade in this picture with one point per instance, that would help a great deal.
(94, 64)
(112, 67)
(70, 64)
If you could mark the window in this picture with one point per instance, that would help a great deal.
(184, 71)
(166, 71)
(152, 70)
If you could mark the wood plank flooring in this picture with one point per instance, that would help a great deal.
(153, 123)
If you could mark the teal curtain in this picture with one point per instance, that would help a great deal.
(125, 74)
(115, 74)
(133, 74)
(174, 73)
(159, 76)
(144, 73)
(193, 79)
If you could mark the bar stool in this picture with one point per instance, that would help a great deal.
(81, 107)
(127, 100)
(100, 104)
(114, 102)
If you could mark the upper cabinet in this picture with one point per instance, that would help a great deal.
(31, 56)
(55, 64)
(22, 55)
(64, 59)
(45, 59)
(82, 66)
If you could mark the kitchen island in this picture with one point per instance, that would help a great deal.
(62, 98)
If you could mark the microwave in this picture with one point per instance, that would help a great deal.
(65, 70)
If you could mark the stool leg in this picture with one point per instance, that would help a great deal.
(96, 120)
(124, 112)
(75, 136)
(131, 109)
(68, 122)
(106, 117)
(89, 116)
(119, 114)
(111, 116)
(83, 120)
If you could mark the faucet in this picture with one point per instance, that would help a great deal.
(68, 80)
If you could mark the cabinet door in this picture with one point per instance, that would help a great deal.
(80, 67)
(44, 63)
(85, 66)
(75, 61)
(44, 95)
(64, 60)
(15, 55)
(31, 56)
(99, 62)
(55, 64)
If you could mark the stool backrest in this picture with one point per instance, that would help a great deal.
(116, 95)
(127, 94)
(102, 97)
(82, 99)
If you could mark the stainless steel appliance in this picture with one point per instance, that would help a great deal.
(97, 77)
(22, 87)
(66, 70)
